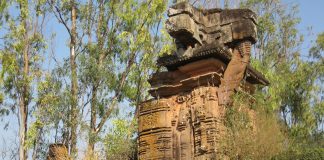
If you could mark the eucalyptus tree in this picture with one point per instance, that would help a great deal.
(23, 45)
(119, 52)
(293, 74)
(3, 6)
(66, 13)
(317, 57)
(296, 76)
(115, 44)
(278, 55)
(3, 13)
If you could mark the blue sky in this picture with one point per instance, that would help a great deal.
(311, 14)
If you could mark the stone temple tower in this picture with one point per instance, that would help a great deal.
(184, 120)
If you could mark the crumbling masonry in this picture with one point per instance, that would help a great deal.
(184, 120)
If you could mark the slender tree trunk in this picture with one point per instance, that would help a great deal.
(74, 81)
(93, 121)
(23, 129)
(24, 95)
(37, 143)
(24, 107)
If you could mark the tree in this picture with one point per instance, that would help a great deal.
(3, 6)
(118, 142)
(66, 11)
(317, 58)
(121, 50)
(20, 58)
(117, 42)
(112, 50)
(74, 80)
(295, 90)
(277, 55)
(3, 13)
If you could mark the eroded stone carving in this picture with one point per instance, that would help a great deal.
(233, 29)
(191, 126)
(193, 28)
(57, 152)
(185, 119)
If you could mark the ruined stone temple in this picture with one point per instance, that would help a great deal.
(184, 120)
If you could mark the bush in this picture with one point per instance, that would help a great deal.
(301, 154)
(252, 131)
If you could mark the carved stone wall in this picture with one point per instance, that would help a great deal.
(181, 126)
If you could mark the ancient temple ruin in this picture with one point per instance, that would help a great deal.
(184, 120)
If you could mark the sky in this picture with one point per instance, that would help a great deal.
(311, 13)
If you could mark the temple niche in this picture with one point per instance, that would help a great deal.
(185, 118)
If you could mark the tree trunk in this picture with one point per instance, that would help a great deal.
(23, 128)
(74, 81)
(24, 95)
(93, 120)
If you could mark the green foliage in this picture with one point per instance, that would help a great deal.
(320, 41)
(11, 55)
(33, 133)
(129, 47)
(301, 154)
(117, 45)
(119, 141)
(122, 53)
(115, 57)
(3, 12)
(20, 59)
(294, 78)
(252, 132)
(295, 91)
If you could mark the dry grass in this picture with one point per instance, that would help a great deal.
(251, 134)
(91, 156)
(58, 152)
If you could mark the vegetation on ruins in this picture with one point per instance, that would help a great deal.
(86, 97)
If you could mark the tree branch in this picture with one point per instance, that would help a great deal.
(59, 17)
(117, 93)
